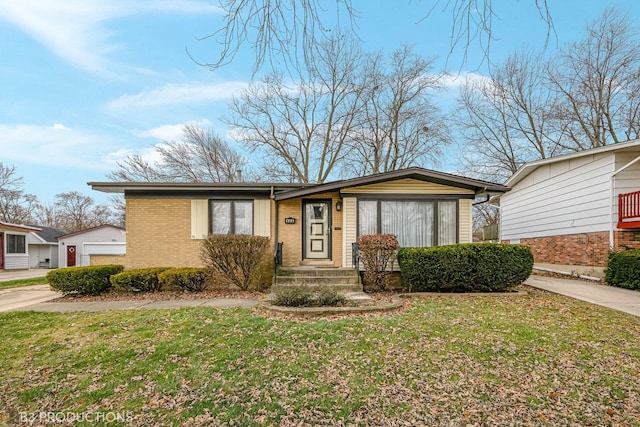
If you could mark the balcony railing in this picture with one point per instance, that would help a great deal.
(629, 210)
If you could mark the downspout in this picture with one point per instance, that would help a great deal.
(611, 199)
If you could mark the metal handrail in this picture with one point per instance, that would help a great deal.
(277, 256)
(355, 255)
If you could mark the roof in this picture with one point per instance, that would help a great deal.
(527, 168)
(48, 234)
(75, 233)
(280, 191)
(18, 227)
(121, 187)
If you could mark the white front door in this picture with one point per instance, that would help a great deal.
(317, 229)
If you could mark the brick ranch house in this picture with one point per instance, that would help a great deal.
(573, 209)
(316, 223)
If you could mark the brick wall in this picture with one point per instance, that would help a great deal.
(159, 234)
(108, 260)
(627, 239)
(571, 249)
(590, 249)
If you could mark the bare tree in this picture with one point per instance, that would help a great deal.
(201, 156)
(15, 205)
(301, 128)
(397, 126)
(285, 32)
(508, 119)
(74, 211)
(597, 78)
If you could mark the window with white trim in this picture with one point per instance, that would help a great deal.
(16, 244)
(416, 223)
(231, 216)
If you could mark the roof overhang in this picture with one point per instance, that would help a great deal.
(527, 168)
(18, 227)
(191, 187)
(479, 187)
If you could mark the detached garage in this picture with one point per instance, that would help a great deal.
(76, 249)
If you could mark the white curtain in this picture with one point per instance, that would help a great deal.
(367, 217)
(447, 223)
(411, 222)
(243, 217)
(220, 217)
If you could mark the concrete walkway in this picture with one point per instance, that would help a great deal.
(65, 307)
(620, 299)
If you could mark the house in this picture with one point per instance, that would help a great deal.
(14, 251)
(77, 249)
(573, 209)
(316, 223)
(43, 246)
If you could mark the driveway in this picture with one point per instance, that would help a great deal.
(6, 275)
(25, 296)
(620, 299)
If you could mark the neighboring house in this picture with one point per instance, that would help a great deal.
(573, 209)
(14, 251)
(77, 249)
(43, 247)
(316, 223)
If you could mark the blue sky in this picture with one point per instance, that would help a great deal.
(86, 83)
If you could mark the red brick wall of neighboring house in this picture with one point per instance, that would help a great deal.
(590, 249)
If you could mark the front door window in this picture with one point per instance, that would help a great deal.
(317, 230)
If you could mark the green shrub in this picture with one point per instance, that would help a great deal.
(91, 280)
(301, 296)
(187, 279)
(623, 269)
(236, 258)
(377, 252)
(139, 280)
(471, 267)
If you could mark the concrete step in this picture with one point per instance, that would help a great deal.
(316, 271)
(317, 280)
(338, 287)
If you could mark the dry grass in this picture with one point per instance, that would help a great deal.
(538, 359)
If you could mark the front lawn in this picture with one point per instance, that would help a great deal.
(538, 359)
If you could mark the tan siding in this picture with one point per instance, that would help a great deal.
(407, 186)
(465, 220)
(199, 219)
(262, 217)
(349, 227)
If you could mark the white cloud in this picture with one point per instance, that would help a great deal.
(454, 81)
(168, 132)
(172, 94)
(55, 145)
(76, 30)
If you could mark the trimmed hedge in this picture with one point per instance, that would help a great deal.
(623, 269)
(470, 267)
(139, 280)
(91, 280)
(187, 279)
